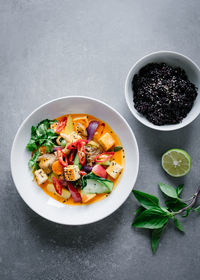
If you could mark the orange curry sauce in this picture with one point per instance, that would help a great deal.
(119, 157)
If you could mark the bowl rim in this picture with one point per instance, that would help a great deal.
(142, 119)
(19, 131)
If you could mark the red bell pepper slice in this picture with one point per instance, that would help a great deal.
(61, 124)
(62, 157)
(82, 173)
(75, 194)
(74, 145)
(57, 185)
(104, 156)
(81, 153)
(71, 157)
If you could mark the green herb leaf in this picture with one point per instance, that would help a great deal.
(175, 204)
(152, 218)
(139, 210)
(146, 200)
(155, 238)
(168, 190)
(33, 161)
(186, 213)
(178, 224)
(179, 189)
(42, 135)
(197, 209)
(31, 146)
(117, 148)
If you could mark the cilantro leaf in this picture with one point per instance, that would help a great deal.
(33, 161)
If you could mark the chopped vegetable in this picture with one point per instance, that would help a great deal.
(75, 194)
(62, 157)
(69, 126)
(65, 193)
(61, 124)
(71, 157)
(104, 157)
(92, 127)
(107, 184)
(87, 197)
(57, 185)
(57, 167)
(81, 153)
(82, 173)
(87, 168)
(77, 162)
(118, 148)
(94, 186)
(99, 170)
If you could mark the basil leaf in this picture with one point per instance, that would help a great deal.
(117, 148)
(186, 213)
(146, 200)
(179, 189)
(49, 145)
(155, 238)
(139, 210)
(178, 224)
(175, 204)
(197, 209)
(168, 190)
(152, 218)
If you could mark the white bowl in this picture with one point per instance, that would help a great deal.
(46, 206)
(173, 59)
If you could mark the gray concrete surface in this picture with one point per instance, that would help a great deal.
(50, 49)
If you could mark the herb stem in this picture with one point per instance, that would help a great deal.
(193, 201)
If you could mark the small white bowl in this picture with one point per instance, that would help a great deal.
(46, 206)
(173, 59)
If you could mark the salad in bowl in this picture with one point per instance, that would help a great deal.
(76, 158)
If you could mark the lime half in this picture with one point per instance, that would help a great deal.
(176, 162)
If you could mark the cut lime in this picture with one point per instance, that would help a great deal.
(176, 162)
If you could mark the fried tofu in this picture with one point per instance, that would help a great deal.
(106, 141)
(114, 169)
(40, 176)
(72, 173)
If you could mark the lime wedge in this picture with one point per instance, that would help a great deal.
(176, 162)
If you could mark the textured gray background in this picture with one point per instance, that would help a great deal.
(50, 49)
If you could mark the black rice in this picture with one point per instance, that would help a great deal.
(163, 94)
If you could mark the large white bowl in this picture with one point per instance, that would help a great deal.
(46, 206)
(173, 59)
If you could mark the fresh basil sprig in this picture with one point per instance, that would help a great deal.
(151, 215)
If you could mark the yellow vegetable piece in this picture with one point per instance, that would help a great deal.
(69, 126)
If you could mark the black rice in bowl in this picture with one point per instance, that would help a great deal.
(163, 94)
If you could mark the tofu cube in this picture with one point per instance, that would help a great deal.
(41, 176)
(114, 169)
(83, 120)
(71, 138)
(106, 141)
(72, 173)
(81, 129)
